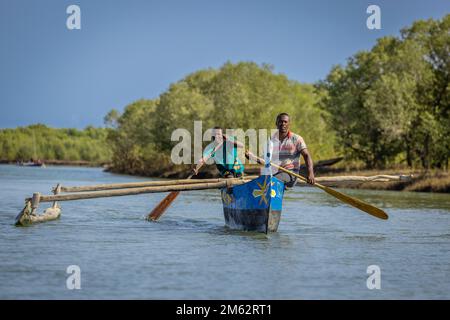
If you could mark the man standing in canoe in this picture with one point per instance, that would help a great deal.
(287, 149)
(224, 153)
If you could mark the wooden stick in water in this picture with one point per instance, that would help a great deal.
(345, 180)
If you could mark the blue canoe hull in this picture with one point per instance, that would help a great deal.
(255, 205)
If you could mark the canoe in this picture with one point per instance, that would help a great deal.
(255, 205)
(31, 164)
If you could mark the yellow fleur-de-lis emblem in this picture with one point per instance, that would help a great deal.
(227, 198)
(261, 192)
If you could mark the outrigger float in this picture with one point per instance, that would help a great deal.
(252, 203)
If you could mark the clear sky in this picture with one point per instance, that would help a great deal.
(129, 49)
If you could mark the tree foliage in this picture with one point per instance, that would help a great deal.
(41, 142)
(236, 96)
(391, 103)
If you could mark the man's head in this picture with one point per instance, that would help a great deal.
(217, 134)
(282, 123)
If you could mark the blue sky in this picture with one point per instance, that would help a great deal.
(127, 50)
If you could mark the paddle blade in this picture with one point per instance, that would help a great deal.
(364, 206)
(162, 206)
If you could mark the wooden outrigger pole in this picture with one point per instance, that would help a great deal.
(135, 191)
(112, 186)
(29, 216)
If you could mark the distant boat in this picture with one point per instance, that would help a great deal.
(31, 164)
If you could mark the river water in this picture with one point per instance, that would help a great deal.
(322, 249)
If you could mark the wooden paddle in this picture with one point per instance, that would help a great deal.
(167, 201)
(364, 206)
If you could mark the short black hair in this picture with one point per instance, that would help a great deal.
(280, 115)
(216, 128)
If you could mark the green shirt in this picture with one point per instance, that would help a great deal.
(226, 158)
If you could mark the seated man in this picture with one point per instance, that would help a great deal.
(224, 153)
(287, 149)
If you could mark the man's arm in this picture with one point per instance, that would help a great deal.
(197, 166)
(309, 165)
(207, 154)
(209, 149)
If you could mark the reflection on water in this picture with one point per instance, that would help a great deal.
(322, 249)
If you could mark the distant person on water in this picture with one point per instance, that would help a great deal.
(225, 155)
(287, 149)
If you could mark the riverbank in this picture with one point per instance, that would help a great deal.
(422, 181)
(74, 163)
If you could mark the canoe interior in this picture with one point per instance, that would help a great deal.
(255, 205)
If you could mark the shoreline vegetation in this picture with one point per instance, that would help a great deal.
(69, 163)
(55, 145)
(386, 111)
(437, 181)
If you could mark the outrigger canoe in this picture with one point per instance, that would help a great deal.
(252, 203)
(255, 205)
